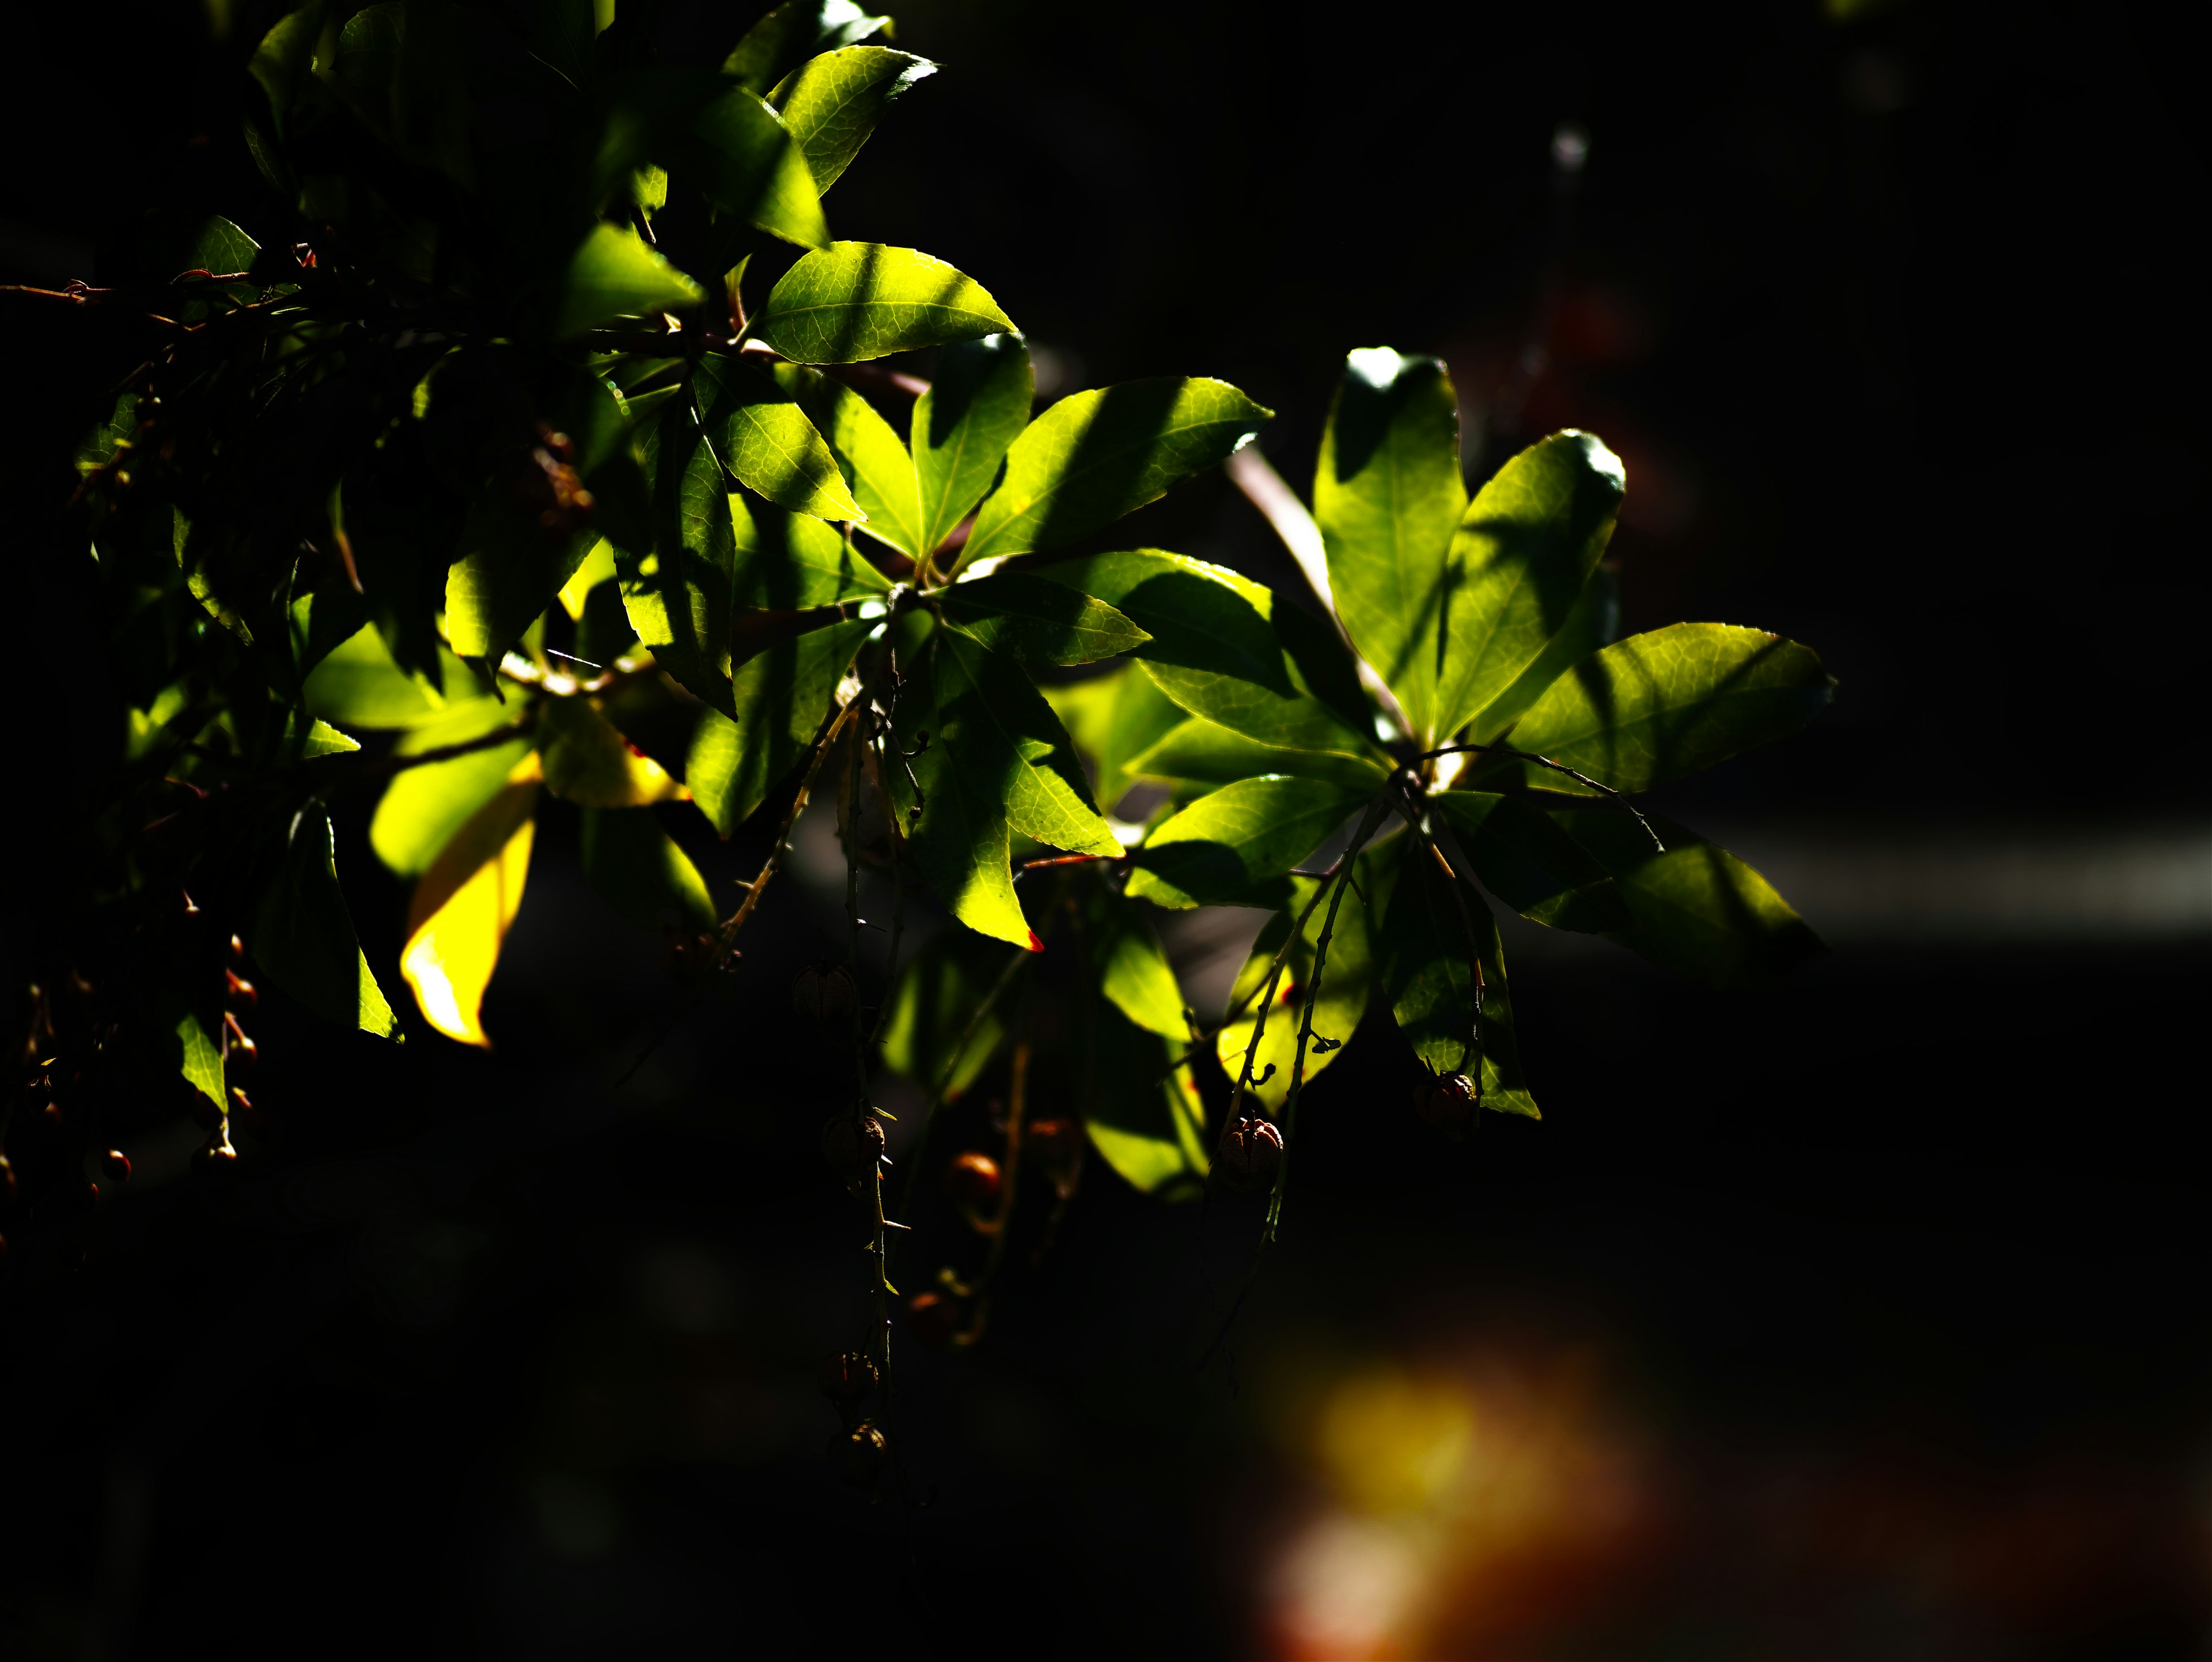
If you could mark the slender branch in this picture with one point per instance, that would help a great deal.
(1615, 798)
(833, 724)
(1267, 993)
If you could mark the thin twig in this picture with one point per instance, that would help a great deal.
(1614, 797)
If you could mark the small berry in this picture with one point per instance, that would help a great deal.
(1448, 1101)
(238, 991)
(934, 1318)
(238, 949)
(115, 1165)
(974, 1180)
(849, 1378)
(861, 1453)
(1249, 1153)
(853, 1143)
(823, 993)
(217, 1160)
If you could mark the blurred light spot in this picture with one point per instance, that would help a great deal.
(1569, 147)
(1391, 1443)
(1345, 1586)
(1058, 371)
(577, 1516)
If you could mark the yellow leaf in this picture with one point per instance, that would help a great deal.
(590, 763)
(598, 567)
(464, 905)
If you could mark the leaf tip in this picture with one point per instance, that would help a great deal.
(1035, 945)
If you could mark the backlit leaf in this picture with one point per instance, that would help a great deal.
(934, 1006)
(612, 274)
(765, 439)
(303, 935)
(789, 561)
(1221, 845)
(855, 301)
(1038, 622)
(792, 32)
(1133, 970)
(1387, 494)
(873, 461)
(677, 594)
(631, 860)
(358, 685)
(423, 807)
(1427, 974)
(751, 167)
(587, 761)
(509, 571)
(1523, 858)
(462, 909)
(1095, 456)
(977, 405)
(1151, 1131)
(1347, 979)
(1113, 717)
(832, 103)
(1198, 750)
(779, 699)
(1595, 621)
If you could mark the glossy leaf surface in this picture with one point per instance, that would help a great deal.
(612, 275)
(792, 32)
(831, 103)
(1198, 750)
(1387, 494)
(1523, 555)
(1112, 718)
(1658, 706)
(1595, 621)
(789, 561)
(1219, 848)
(855, 301)
(1523, 858)
(763, 437)
(977, 405)
(1038, 622)
(750, 165)
(1095, 456)
(874, 462)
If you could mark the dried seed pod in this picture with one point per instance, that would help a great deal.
(849, 1378)
(1249, 1155)
(1448, 1101)
(861, 1454)
(853, 1143)
(823, 993)
(974, 1180)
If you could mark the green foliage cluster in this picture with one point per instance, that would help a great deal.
(476, 465)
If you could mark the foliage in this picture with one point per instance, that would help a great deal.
(476, 464)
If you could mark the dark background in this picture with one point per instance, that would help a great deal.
(1862, 1318)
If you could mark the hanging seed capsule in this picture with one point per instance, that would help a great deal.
(853, 1143)
(1249, 1155)
(238, 992)
(1447, 1102)
(823, 993)
(974, 1180)
(861, 1454)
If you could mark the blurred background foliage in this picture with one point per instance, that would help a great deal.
(1855, 1319)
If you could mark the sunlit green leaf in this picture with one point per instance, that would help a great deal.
(509, 571)
(1218, 848)
(853, 300)
(1520, 561)
(631, 860)
(460, 914)
(1132, 970)
(1524, 859)
(1429, 926)
(1198, 750)
(779, 699)
(1150, 1130)
(977, 405)
(832, 103)
(1595, 621)
(678, 593)
(790, 562)
(1658, 706)
(1095, 456)
(612, 274)
(1347, 980)
(1229, 649)
(1038, 622)
(358, 685)
(1696, 907)
(303, 935)
(1113, 717)
(587, 761)
(794, 31)
(424, 805)
(766, 439)
(751, 167)
(197, 1055)
(876, 464)
(305, 737)
(1386, 496)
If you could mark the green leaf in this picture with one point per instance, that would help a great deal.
(940, 991)
(629, 859)
(998, 760)
(509, 571)
(1095, 456)
(303, 935)
(1151, 1132)
(1112, 717)
(588, 762)
(1037, 622)
(198, 1056)
(423, 807)
(1386, 496)
(1347, 979)
(766, 439)
(977, 405)
(751, 167)
(1520, 561)
(1658, 706)
(1697, 908)
(1217, 849)
(358, 685)
(1229, 649)
(612, 274)
(305, 737)
(832, 103)
(791, 32)
(853, 300)
(677, 594)
(1133, 970)
(789, 561)
(1427, 974)
(779, 699)
(1198, 750)
(1595, 621)
(869, 452)
(1524, 859)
